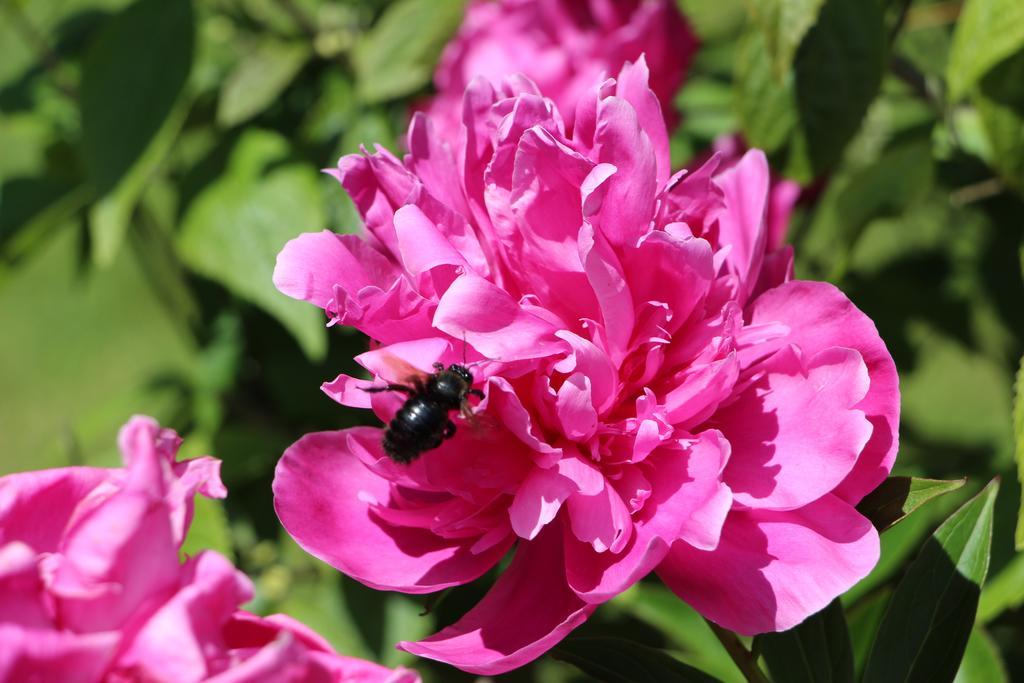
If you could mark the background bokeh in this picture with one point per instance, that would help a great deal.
(155, 155)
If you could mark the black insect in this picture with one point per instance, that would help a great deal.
(423, 423)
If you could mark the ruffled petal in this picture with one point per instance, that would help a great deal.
(527, 611)
(174, 643)
(324, 495)
(819, 316)
(772, 570)
(46, 655)
(795, 431)
(686, 500)
(36, 507)
(493, 322)
(742, 225)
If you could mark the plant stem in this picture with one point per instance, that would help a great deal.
(746, 662)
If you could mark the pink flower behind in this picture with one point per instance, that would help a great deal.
(564, 46)
(660, 394)
(92, 589)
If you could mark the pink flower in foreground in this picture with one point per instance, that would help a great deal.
(660, 395)
(92, 588)
(564, 46)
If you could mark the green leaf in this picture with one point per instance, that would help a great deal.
(816, 651)
(766, 109)
(135, 69)
(816, 108)
(863, 619)
(259, 78)
(955, 395)
(987, 32)
(838, 69)
(233, 231)
(1000, 106)
(209, 530)
(1018, 435)
(615, 660)
(1004, 592)
(897, 497)
(687, 630)
(926, 627)
(110, 216)
(981, 663)
(784, 24)
(397, 55)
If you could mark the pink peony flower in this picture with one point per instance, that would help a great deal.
(660, 394)
(564, 46)
(92, 588)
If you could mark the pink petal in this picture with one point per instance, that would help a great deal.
(671, 270)
(781, 200)
(595, 364)
(537, 501)
(772, 570)
(632, 86)
(36, 507)
(493, 322)
(742, 225)
(606, 277)
(575, 407)
(116, 559)
(309, 267)
(31, 655)
(422, 245)
(795, 432)
(818, 317)
(546, 213)
(22, 600)
(527, 611)
(601, 520)
(628, 206)
(175, 643)
(320, 493)
(687, 500)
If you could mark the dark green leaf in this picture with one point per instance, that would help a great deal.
(784, 24)
(863, 619)
(234, 230)
(110, 216)
(814, 109)
(981, 663)
(397, 56)
(897, 497)
(615, 660)
(926, 627)
(259, 79)
(838, 71)
(816, 651)
(988, 31)
(133, 73)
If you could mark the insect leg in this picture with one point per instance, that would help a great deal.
(390, 387)
(476, 392)
(449, 430)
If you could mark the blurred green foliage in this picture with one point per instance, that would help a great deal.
(156, 155)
